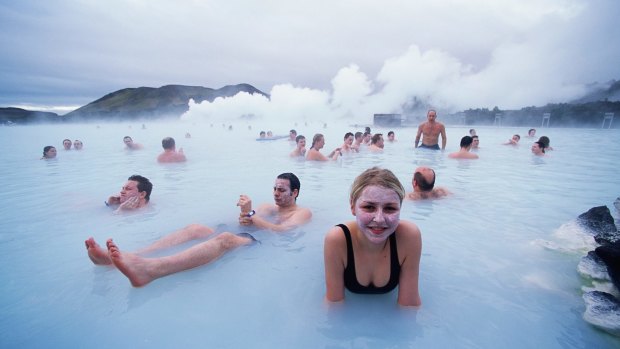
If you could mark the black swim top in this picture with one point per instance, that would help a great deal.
(350, 278)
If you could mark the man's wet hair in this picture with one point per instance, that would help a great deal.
(293, 131)
(544, 140)
(293, 180)
(346, 135)
(143, 185)
(168, 143)
(299, 137)
(376, 138)
(422, 183)
(358, 135)
(466, 141)
(390, 133)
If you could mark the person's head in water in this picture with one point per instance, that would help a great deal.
(358, 137)
(348, 138)
(423, 178)
(168, 143)
(286, 189)
(391, 136)
(472, 132)
(317, 141)
(538, 148)
(262, 134)
(49, 152)
(377, 140)
(67, 144)
(143, 185)
(475, 142)
(300, 140)
(531, 132)
(545, 141)
(77, 144)
(466, 142)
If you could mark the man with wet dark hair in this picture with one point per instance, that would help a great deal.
(464, 153)
(281, 216)
(424, 185)
(391, 136)
(134, 194)
(475, 143)
(300, 147)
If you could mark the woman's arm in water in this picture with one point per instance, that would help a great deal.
(409, 241)
(334, 253)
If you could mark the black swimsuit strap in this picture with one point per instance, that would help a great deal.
(350, 276)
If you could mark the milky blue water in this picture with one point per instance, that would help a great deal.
(493, 273)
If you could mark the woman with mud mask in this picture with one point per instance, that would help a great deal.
(377, 251)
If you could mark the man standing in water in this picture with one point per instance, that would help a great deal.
(424, 185)
(282, 216)
(431, 130)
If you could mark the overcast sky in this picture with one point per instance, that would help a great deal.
(457, 54)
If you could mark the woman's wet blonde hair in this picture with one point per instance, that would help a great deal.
(379, 177)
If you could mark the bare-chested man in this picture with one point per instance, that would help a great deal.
(282, 216)
(376, 143)
(424, 185)
(170, 153)
(466, 144)
(130, 144)
(431, 130)
(347, 146)
(300, 147)
(134, 194)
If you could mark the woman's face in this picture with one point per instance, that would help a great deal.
(319, 143)
(536, 149)
(51, 153)
(377, 212)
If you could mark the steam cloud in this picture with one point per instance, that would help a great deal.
(405, 84)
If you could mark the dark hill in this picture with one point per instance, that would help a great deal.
(148, 102)
(22, 116)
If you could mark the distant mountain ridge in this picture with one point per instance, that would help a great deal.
(148, 102)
